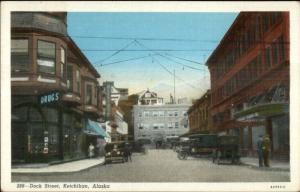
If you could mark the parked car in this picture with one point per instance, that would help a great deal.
(114, 152)
(197, 145)
(227, 150)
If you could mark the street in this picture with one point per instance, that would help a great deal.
(161, 166)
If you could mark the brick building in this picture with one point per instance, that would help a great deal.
(199, 118)
(250, 81)
(55, 92)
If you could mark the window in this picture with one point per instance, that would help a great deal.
(281, 48)
(88, 93)
(266, 22)
(19, 55)
(268, 57)
(70, 77)
(62, 62)
(176, 113)
(170, 113)
(155, 126)
(176, 125)
(46, 57)
(275, 53)
(170, 126)
(162, 126)
(161, 113)
(140, 114)
(140, 126)
(146, 113)
(78, 80)
(155, 113)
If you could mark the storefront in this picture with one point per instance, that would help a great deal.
(45, 133)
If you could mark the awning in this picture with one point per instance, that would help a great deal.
(94, 128)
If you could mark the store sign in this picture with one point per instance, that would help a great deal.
(50, 97)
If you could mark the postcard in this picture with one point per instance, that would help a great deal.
(150, 96)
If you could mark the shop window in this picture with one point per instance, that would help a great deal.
(19, 55)
(46, 57)
(35, 115)
(36, 137)
(52, 115)
(53, 139)
(88, 94)
(62, 62)
(20, 113)
(70, 77)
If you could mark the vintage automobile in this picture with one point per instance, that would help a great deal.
(114, 152)
(227, 150)
(197, 145)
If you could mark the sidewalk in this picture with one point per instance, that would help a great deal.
(275, 165)
(74, 166)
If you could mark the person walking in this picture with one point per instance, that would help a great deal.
(259, 148)
(266, 150)
(91, 150)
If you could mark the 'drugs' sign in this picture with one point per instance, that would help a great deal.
(47, 98)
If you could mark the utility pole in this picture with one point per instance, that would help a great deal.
(174, 102)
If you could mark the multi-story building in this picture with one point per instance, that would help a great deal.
(250, 80)
(54, 90)
(159, 121)
(111, 93)
(200, 120)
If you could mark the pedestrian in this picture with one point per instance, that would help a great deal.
(259, 148)
(91, 150)
(266, 150)
(129, 153)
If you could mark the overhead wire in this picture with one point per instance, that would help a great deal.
(115, 53)
(142, 45)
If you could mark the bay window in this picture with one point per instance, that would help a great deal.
(46, 57)
(78, 80)
(88, 94)
(19, 55)
(70, 77)
(62, 62)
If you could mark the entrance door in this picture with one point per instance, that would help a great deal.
(19, 141)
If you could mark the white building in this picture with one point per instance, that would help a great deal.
(160, 121)
(149, 98)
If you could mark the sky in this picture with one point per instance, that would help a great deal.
(155, 46)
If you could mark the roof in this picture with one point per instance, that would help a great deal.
(83, 57)
(225, 38)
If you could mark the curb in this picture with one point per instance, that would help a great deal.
(265, 168)
(56, 172)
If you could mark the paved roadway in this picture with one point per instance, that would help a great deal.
(162, 166)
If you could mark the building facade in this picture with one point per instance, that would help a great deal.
(250, 81)
(54, 90)
(156, 122)
(200, 120)
(112, 94)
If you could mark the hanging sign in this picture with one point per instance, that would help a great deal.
(50, 97)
